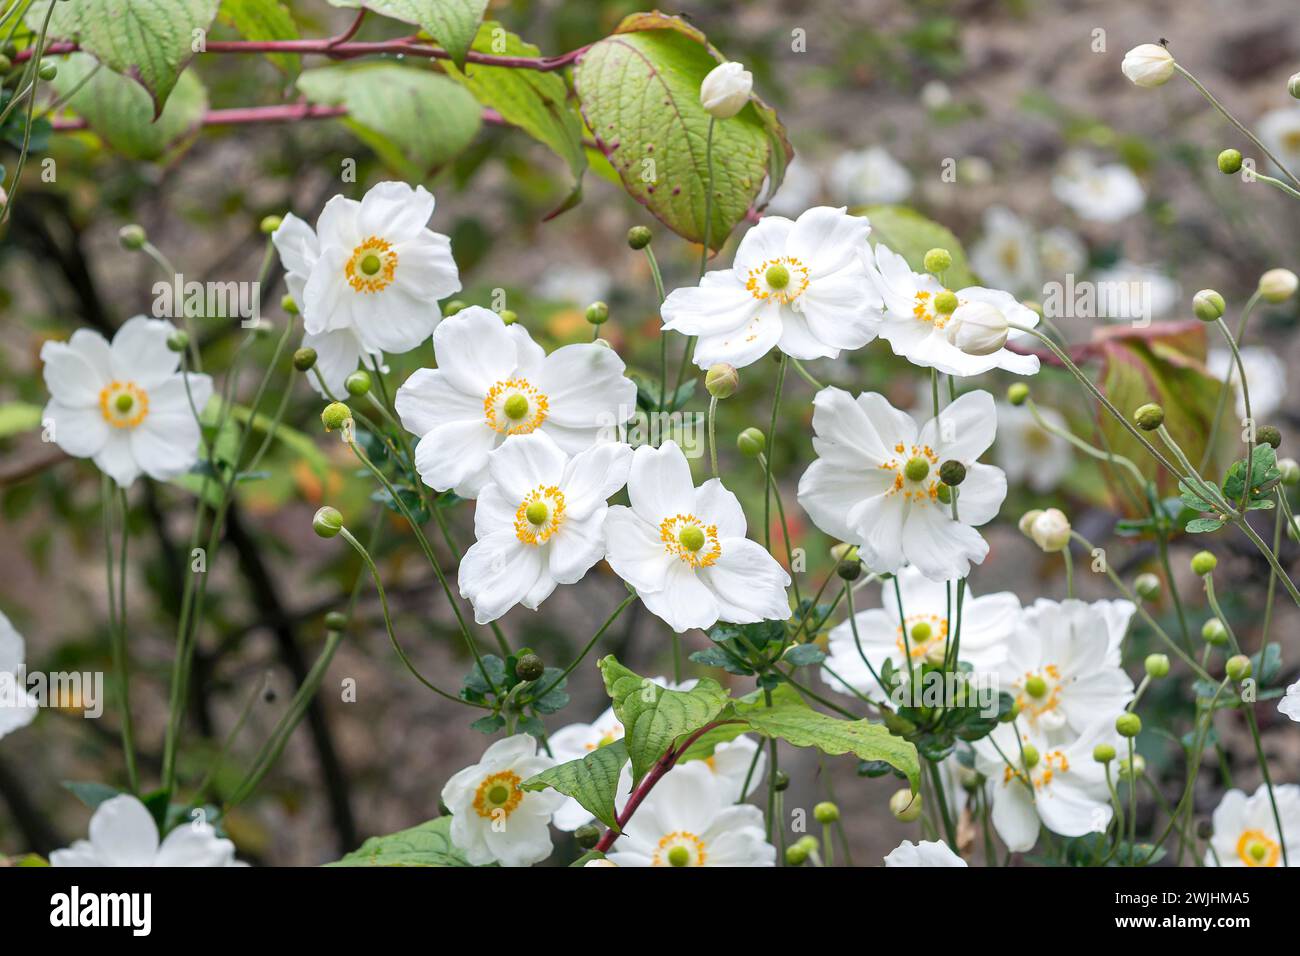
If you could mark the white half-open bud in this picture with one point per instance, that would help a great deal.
(1048, 529)
(726, 89)
(1148, 65)
(977, 328)
(1278, 285)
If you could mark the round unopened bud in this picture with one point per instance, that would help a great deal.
(1268, 435)
(849, 570)
(529, 667)
(304, 359)
(1139, 767)
(937, 261)
(969, 778)
(178, 340)
(335, 415)
(1012, 713)
(587, 835)
(1048, 529)
(48, 70)
(638, 237)
(1213, 632)
(905, 805)
(1278, 285)
(722, 380)
(1147, 586)
(1103, 753)
(946, 302)
(132, 237)
(1017, 393)
(1230, 161)
(1149, 417)
(269, 224)
(952, 472)
(1157, 665)
(780, 781)
(1128, 724)
(977, 328)
(1289, 469)
(598, 313)
(1293, 85)
(796, 854)
(288, 304)
(1148, 65)
(1237, 667)
(509, 316)
(1204, 829)
(327, 522)
(1208, 305)
(454, 306)
(358, 383)
(751, 442)
(1204, 563)
(725, 90)
(826, 812)
(336, 621)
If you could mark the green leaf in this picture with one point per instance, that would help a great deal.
(1265, 670)
(91, 793)
(1203, 525)
(429, 844)
(452, 23)
(640, 95)
(261, 20)
(1264, 476)
(18, 417)
(653, 718)
(118, 111)
(591, 780)
(793, 721)
(803, 655)
(148, 40)
(911, 235)
(414, 119)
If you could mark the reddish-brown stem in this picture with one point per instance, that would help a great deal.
(652, 777)
(262, 114)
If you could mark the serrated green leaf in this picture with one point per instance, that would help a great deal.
(793, 721)
(453, 23)
(148, 40)
(654, 718)
(261, 20)
(591, 780)
(640, 95)
(1203, 525)
(120, 112)
(414, 119)
(428, 844)
(911, 235)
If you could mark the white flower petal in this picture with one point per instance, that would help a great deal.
(140, 353)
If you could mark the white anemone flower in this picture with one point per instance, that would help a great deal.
(17, 704)
(1006, 255)
(869, 176)
(1289, 705)
(368, 278)
(684, 548)
(1062, 786)
(1128, 291)
(689, 819)
(494, 381)
(125, 405)
(915, 328)
(800, 286)
(538, 521)
(1027, 452)
(1061, 252)
(1245, 833)
(875, 482)
(920, 626)
(925, 853)
(1062, 665)
(123, 833)
(799, 190)
(1265, 371)
(494, 821)
(1280, 132)
(1098, 193)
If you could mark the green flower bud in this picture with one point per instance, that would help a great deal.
(327, 522)
(336, 621)
(1204, 563)
(1278, 285)
(358, 383)
(1138, 769)
(826, 812)
(1230, 161)
(508, 316)
(1213, 632)
(269, 224)
(587, 835)
(1208, 305)
(132, 237)
(1289, 469)
(1268, 435)
(1128, 724)
(304, 359)
(178, 341)
(809, 843)
(780, 781)
(1147, 586)
(1293, 85)
(598, 313)
(529, 667)
(905, 805)
(849, 570)
(1103, 753)
(1237, 667)
(5, 63)
(335, 415)
(454, 306)
(1017, 393)
(945, 303)
(1012, 713)
(638, 237)
(48, 70)
(288, 304)
(1149, 417)
(751, 442)
(952, 473)
(722, 380)
(937, 261)
(795, 854)
(1157, 665)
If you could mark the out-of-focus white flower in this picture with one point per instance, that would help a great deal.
(1265, 374)
(925, 853)
(726, 89)
(1048, 529)
(1148, 65)
(1028, 453)
(800, 189)
(1280, 132)
(1098, 193)
(935, 95)
(1061, 252)
(493, 819)
(1245, 833)
(869, 177)
(1005, 256)
(977, 328)
(1127, 291)
(122, 833)
(1290, 704)
(17, 704)
(575, 284)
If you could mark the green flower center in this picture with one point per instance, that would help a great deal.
(371, 264)
(916, 468)
(1031, 756)
(778, 276)
(516, 407)
(921, 632)
(692, 539)
(499, 794)
(1036, 687)
(679, 856)
(124, 402)
(537, 513)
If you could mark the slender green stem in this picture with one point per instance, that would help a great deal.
(771, 447)
(1277, 183)
(1084, 446)
(115, 504)
(942, 799)
(806, 375)
(708, 197)
(713, 438)
(785, 527)
(1246, 490)
(1226, 390)
(1249, 710)
(600, 632)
